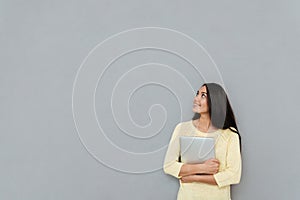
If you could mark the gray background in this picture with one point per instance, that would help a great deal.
(254, 43)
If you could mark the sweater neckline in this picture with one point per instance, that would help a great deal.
(202, 131)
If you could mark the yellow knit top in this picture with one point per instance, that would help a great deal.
(227, 151)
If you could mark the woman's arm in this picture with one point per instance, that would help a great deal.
(188, 172)
(209, 179)
(172, 165)
(232, 173)
(210, 166)
(191, 169)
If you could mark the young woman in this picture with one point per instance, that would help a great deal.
(213, 118)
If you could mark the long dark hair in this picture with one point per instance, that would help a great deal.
(220, 110)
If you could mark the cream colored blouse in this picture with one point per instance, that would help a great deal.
(227, 151)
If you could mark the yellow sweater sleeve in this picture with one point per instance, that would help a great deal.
(232, 173)
(171, 164)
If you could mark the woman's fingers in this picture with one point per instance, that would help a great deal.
(215, 160)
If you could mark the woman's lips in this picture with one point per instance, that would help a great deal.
(196, 105)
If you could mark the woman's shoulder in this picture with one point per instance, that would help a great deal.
(185, 124)
(229, 133)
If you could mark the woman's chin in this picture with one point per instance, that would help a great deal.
(196, 111)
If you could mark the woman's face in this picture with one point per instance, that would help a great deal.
(200, 101)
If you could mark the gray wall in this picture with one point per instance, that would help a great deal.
(52, 146)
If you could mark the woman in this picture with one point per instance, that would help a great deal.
(213, 118)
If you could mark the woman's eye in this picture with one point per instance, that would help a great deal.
(197, 93)
(203, 96)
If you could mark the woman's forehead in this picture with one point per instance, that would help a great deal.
(202, 89)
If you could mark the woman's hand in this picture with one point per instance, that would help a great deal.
(211, 166)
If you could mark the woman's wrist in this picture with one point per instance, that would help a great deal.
(193, 169)
(199, 169)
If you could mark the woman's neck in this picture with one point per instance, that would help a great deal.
(204, 123)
